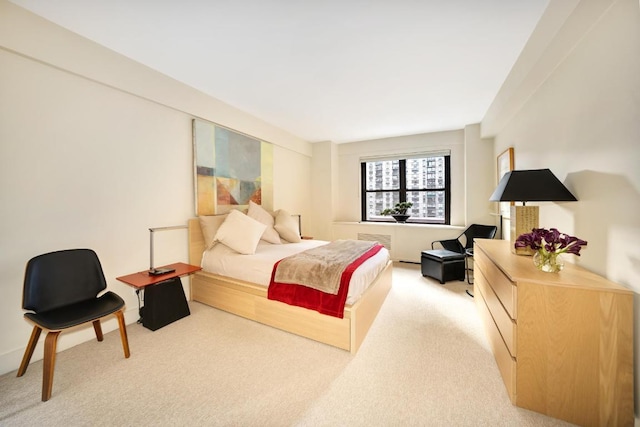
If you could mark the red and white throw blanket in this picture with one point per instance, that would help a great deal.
(318, 278)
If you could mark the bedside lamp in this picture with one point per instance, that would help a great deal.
(535, 185)
(153, 271)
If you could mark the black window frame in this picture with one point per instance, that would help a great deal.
(402, 191)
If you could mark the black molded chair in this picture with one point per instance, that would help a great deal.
(447, 259)
(61, 291)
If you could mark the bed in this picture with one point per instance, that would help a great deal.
(250, 301)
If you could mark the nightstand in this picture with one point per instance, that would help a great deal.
(164, 298)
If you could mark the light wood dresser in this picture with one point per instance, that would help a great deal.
(563, 341)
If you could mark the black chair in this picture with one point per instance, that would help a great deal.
(61, 291)
(447, 259)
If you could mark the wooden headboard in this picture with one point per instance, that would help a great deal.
(196, 241)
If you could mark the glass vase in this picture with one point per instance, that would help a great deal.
(549, 262)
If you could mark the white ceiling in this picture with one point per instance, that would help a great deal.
(323, 70)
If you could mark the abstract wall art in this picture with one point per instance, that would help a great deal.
(231, 169)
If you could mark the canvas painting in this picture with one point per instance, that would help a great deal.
(231, 169)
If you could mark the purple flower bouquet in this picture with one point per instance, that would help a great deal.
(548, 245)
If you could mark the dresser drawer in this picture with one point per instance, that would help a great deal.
(574, 336)
(503, 288)
(506, 363)
(505, 324)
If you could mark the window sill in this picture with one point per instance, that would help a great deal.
(398, 224)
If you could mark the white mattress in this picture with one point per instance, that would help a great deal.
(257, 268)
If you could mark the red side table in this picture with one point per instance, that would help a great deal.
(164, 298)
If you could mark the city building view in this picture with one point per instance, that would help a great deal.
(424, 181)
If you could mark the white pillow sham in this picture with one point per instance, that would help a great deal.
(240, 233)
(209, 225)
(260, 214)
(287, 226)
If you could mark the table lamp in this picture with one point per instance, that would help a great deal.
(153, 271)
(534, 185)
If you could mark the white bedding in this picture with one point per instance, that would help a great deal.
(257, 268)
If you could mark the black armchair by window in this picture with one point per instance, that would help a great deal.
(447, 259)
(61, 291)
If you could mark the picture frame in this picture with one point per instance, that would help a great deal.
(505, 163)
(230, 169)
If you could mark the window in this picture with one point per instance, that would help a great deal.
(424, 181)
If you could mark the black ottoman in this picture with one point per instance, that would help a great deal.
(442, 265)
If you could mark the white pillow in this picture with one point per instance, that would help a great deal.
(209, 225)
(240, 233)
(287, 226)
(258, 213)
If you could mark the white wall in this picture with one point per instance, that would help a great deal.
(470, 188)
(325, 184)
(480, 177)
(292, 184)
(94, 150)
(583, 122)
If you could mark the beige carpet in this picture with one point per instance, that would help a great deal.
(425, 362)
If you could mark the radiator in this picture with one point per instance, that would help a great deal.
(383, 239)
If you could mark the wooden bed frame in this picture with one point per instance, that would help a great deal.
(250, 301)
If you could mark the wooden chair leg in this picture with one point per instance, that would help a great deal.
(98, 329)
(50, 344)
(28, 352)
(123, 333)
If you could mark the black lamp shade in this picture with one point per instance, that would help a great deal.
(535, 185)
